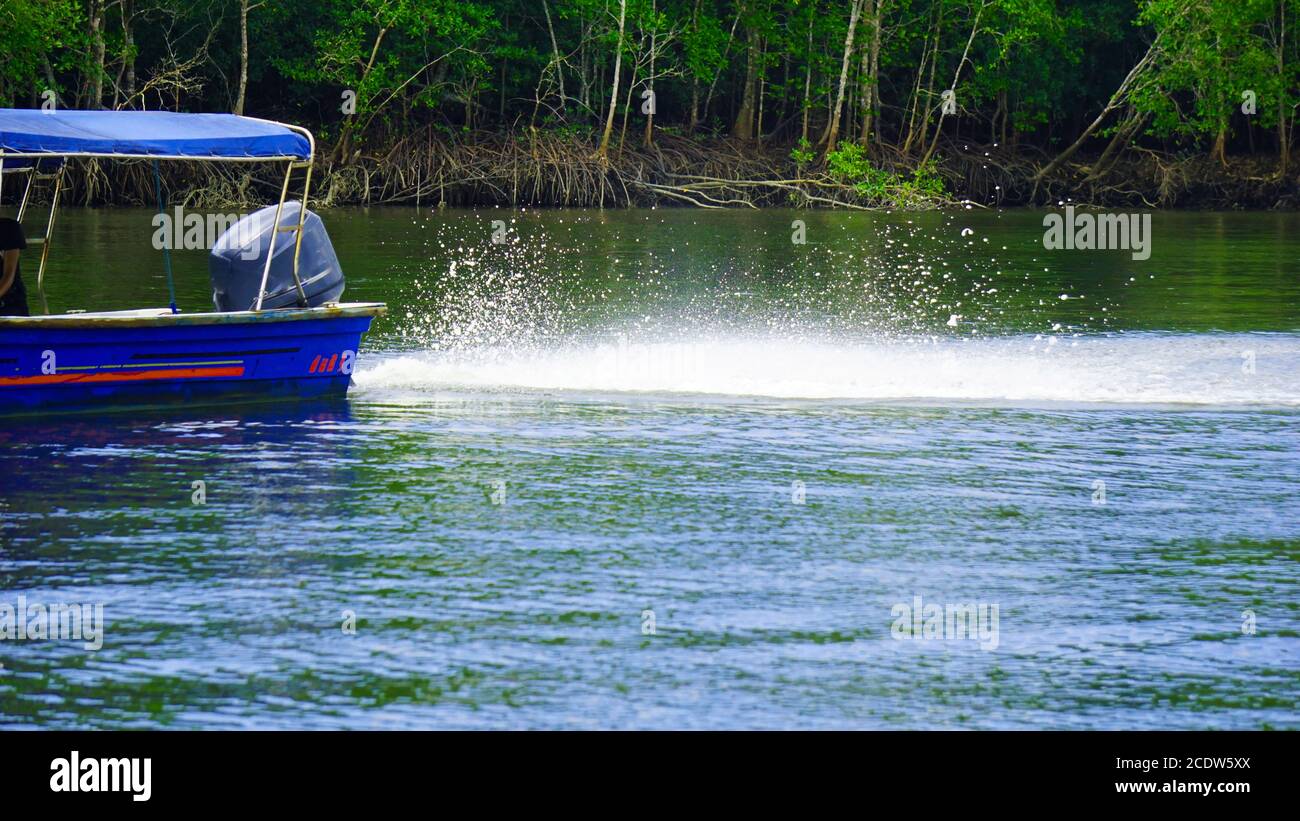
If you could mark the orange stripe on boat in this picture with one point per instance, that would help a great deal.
(314, 364)
(119, 376)
(333, 361)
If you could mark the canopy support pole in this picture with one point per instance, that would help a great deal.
(276, 230)
(166, 249)
(27, 192)
(49, 236)
(297, 246)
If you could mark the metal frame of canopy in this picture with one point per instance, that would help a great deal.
(34, 173)
(293, 163)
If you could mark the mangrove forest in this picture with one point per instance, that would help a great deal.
(700, 103)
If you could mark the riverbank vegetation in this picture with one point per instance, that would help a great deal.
(707, 103)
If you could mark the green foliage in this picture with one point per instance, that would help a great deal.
(849, 164)
(704, 43)
(1214, 51)
(802, 153)
(1031, 61)
(32, 32)
(925, 185)
(375, 47)
(1036, 71)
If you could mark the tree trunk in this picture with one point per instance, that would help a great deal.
(1219, 150)
(648, 139)
(584, 97)
(1116, 100)
(938, 128)
(870, 73)
(999, 114)
(95, 97)
(693, 120)
(344, 147)
(603, 150)
(555, 52)
(731, 38)
(762, 86)
(1130, 129)
(833, 130)
(243, 57)
(1283, 136)
(743, 128)
(128, 49)
(627, 108)
(807, 77)
(920, 112)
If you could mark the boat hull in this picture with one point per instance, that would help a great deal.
(142, 358)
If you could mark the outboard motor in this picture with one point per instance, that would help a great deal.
(237, 259)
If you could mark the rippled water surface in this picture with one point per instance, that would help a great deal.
(672, 469)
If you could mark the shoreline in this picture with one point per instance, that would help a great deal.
(547, 170)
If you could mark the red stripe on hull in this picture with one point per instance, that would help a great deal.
(131, 376)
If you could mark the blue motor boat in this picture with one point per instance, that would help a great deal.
(277, 329)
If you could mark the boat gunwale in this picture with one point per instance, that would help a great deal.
(165, 318)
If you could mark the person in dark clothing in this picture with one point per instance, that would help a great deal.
(13, 296)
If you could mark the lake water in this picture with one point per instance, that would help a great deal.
(670, 468)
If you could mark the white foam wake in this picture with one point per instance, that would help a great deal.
(1201, 369)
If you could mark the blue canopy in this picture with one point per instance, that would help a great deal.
(149, 134)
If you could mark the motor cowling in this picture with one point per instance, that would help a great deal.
(238, 258)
